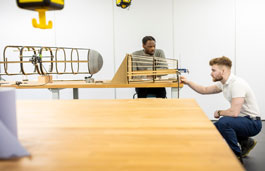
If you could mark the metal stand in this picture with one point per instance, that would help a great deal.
(75, 93)
(174, 92)
(55, 93)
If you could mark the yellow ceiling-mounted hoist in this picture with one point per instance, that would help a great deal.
(123, 3)
(41, 6)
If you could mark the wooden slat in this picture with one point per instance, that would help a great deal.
(83, 84)
(152, 72)
(69, 61)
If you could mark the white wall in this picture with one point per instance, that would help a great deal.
(193, 31)
(250, 47)
(82, 23)
(204, 29)
(133, 24)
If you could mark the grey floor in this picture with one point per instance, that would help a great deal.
(255, 161)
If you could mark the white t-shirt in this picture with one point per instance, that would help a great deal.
(237, 87)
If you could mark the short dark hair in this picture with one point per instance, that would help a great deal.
(146, 38)
(225, 61)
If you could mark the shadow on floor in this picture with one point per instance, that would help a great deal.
(255, 161)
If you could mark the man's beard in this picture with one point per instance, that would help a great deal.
(151, 53)
(217, 79)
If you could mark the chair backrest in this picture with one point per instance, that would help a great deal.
(148, 96)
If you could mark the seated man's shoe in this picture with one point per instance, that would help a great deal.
(247, 146)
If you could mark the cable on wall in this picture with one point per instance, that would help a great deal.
(235, 3)
(114, 54)
(173, 29)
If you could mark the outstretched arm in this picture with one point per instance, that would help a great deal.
(200, 89)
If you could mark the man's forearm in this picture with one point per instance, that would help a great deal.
(234, 109)
(228, 112)
(198, 88)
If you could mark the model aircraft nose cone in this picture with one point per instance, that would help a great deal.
(95, 61)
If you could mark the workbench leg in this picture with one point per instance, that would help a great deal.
(174, 92)
(55, 93)
(75, 93)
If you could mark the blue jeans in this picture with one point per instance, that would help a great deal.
(234, 129)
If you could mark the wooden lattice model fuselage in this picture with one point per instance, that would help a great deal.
(30, 60)
(141, 69)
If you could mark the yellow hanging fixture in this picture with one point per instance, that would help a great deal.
(123, 3)
(41, 6)
(42, 19)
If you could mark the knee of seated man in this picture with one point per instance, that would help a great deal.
(223, 122)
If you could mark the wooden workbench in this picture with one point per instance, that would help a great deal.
(114, 135)
(57, 85)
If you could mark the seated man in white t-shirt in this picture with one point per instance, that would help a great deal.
(242, 120)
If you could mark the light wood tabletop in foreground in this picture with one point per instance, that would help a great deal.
(131, 135)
